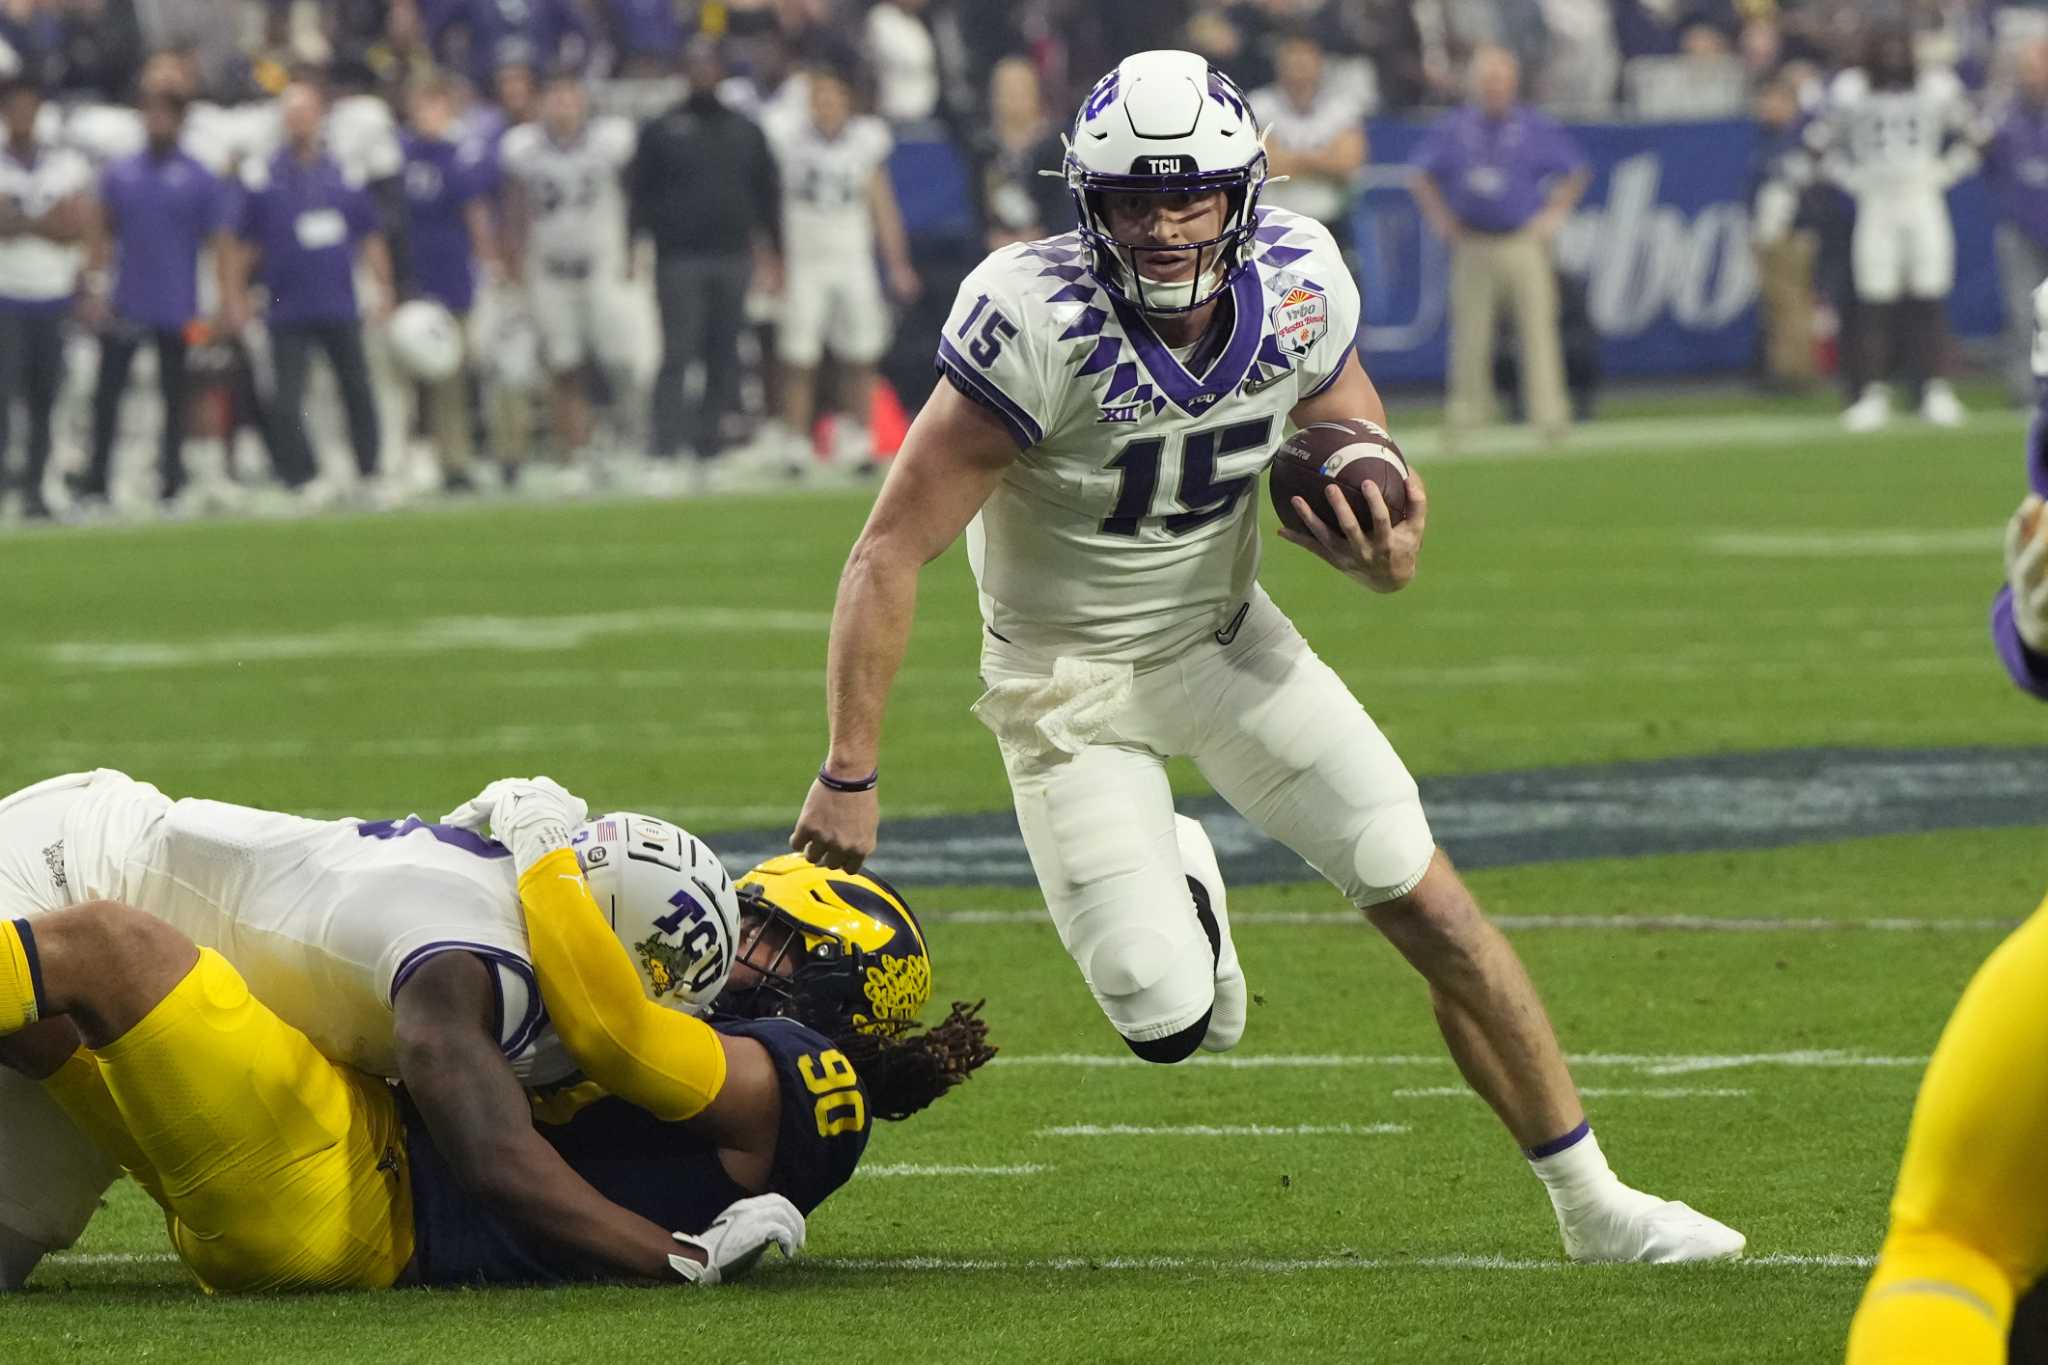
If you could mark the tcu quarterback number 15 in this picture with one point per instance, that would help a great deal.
(829, 1076)
(1201, 496)
(995, 330)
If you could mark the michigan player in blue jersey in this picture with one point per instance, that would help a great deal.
(1969, 1222)
(279, 1169)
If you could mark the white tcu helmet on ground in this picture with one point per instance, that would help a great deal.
(1166, 122)
(670, 902)
(427, 340)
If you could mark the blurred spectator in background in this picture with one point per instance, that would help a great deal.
(2016, 164)
(162, 209)
(905, 61)
(304, 221)
(1315, 136)
(1786, 248)
(548, 35)
(33, 34)
(704, 245)
(1496, 180)
(565, 235)
(447, 239)
(47, 213)
(646, 36)
(1581, 62)
(207, 33)
(1453, 31)
(1018, 204)
(1895, 138)
(838, 207)
(99, 48)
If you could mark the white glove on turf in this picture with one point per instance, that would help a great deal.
(532, 816)
(740, 1236)
(2026, 568)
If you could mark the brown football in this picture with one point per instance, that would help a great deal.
(1349, 454)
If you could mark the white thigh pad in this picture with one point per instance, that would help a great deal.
(1291, 748)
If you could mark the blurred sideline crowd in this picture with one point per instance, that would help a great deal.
(280, 255)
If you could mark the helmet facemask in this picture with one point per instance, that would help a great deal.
(1218, 260)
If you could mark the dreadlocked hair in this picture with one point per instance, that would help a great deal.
(905, 1066)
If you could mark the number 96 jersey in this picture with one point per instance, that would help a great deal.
(1127, 528)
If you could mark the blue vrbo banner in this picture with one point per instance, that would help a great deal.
(1661, 241)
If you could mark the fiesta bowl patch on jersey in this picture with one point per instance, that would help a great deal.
(1300, 319)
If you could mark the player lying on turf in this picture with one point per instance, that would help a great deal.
(1969, 1219)
(1112, 397)
(319, 912)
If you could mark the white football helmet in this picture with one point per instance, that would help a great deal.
(426, 340)
(1166, 122)
(669, 901)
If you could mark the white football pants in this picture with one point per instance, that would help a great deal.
(1278, 735)
(1903, 247)
(51, 1176)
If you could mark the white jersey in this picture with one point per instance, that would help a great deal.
(325, 919)
(575, 194)
(1896, 142)
(825, 180)
(1128, 526)
(35, 269)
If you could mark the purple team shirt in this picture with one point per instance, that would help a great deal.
(1495, 173)
(307, 220)
(441, 178)
(2028, 669)
(161, 211)
(2016, 164)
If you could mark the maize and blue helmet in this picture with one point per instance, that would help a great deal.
(829, 948)
(1166, 122)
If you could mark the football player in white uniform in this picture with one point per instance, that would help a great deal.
(838, 205)
(1112, 397)
(1895, 138)
(365, 936)
(566, 235)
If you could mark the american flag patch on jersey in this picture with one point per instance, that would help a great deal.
(607, 830)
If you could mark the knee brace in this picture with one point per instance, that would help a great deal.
(1155, 987)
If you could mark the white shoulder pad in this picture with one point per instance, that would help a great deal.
(519, 146)
(1849, 87)
(1296, 252)
(614, 139)
(994, 343)
(875, 141)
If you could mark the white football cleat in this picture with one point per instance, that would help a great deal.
(1939, 405)
(1205, 883)
(1624, 1224)
(1870, 412)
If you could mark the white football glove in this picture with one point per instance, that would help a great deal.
(740, 1236)
(532, 816)
(2026, 568)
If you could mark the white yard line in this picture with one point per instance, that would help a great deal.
(912, 1168)
(1647, 1063)
(1647, 437)
(1704, 924)
(1245, 1265)
(431, 636)
(1852, 544)
(1459, 1092)
(1230, 1130)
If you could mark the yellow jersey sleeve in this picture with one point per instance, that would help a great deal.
(664, 1061)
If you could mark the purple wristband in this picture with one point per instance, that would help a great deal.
(841, 784)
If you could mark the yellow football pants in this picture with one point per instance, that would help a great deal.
(1969, 1227)
(276, 1169)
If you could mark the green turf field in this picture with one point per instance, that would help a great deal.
(1719, 579)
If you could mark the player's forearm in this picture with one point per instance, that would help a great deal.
(664, 1061)
(870, 631)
